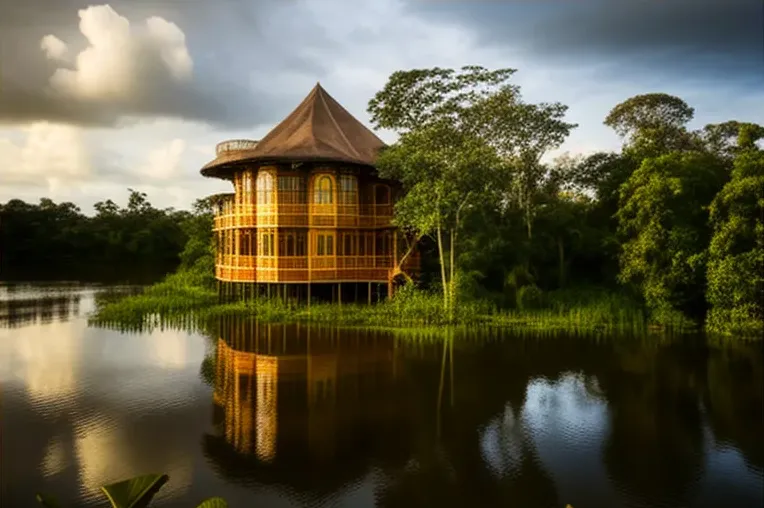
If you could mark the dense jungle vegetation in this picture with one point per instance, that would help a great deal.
(670, 228)
(56, 240)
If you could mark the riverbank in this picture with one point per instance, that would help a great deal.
(184, 293)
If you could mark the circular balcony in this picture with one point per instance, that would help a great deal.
(235, 145)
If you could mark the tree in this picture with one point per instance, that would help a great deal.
(736, 253)
(441, 158)
(726, 139)
(469, 133)
(444, 171)
(418, 98)
(56, 240)
(664, 219)
(652, 124)
(522, 134)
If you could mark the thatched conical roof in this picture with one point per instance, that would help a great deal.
(319, 129)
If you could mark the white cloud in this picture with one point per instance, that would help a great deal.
(122, 63)
(164, 162)
(141, 70)
(55, 48)
(48, 153)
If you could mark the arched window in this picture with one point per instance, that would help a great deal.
(323, 192)
(264, 188)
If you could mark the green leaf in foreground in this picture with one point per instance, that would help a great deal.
(136, 492)
(47, 501)
(214, 502)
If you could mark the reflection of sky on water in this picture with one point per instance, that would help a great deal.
(105, 454)
(723, 465)
(96, 387)
(45, 359)
(55, 457)
(564, 420)
(559, 419)
(53, 360)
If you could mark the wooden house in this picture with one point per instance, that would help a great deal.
(309, 214)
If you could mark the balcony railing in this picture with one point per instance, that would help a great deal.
(316, 269)
(233, 145)
(303, 215)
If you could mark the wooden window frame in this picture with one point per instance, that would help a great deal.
(265, 193)
(297, 238)
(292, 189)
(325, 244)
(266, 244)
(348, 195)
(320, 195)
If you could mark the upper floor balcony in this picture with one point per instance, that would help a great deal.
(234, 145)
(232, 215)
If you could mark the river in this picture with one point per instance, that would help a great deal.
(281, 416)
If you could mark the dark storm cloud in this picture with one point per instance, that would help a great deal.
(721, 39)
(231, 42)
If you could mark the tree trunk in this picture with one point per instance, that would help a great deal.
(561, 255)
(399, 266)
(443, 279)
(451, 282)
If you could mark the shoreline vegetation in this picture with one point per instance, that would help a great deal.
(190, 294)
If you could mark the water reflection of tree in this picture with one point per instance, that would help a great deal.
(734, 398)
(417, 422)
(655, 448)
(402, 417)
(44, 309)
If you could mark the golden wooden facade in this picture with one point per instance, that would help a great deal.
(309, 224)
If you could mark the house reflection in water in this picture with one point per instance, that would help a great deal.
(296, 394)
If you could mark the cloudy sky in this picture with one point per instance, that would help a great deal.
(96, 98)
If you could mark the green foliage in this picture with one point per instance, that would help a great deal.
(467, 141)
(663, 217)
(60, 239)
(578, 309)
(440, 158)
(418, 98)
(653, 124)
(214, 502)
(135, 492)
(736, 254)
(530, 297)
(728, 138)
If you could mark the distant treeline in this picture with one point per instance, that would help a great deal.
(51, 240)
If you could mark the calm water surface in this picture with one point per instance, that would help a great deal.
(280, 416)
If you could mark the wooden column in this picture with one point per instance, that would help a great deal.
(369, 293)
(237, 251)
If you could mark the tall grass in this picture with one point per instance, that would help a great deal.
(580, 309)
(180, 293)
(188, 294)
